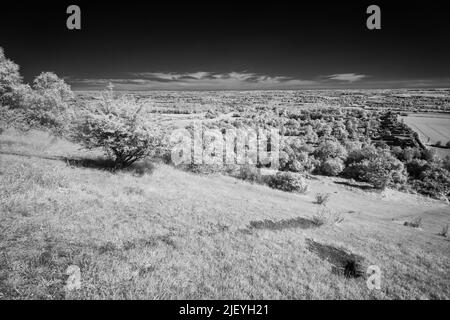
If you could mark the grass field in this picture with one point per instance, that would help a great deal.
(176, 235)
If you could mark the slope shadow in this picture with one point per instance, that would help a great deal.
(298, 222)
(342, 262)
(355, 185)
(138, 168)
(95, 163)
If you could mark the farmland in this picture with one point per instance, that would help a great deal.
(432, 128)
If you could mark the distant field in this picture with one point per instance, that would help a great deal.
(431, 128)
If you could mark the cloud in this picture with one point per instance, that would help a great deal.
(200, 80)
(347, 77)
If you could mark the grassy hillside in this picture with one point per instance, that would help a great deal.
(176, 235)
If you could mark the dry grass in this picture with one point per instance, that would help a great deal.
(326, 216)
(176, 235)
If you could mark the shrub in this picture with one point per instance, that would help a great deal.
(416, 167)
(288, 181)
(438, 144)
(250, 173)
(330, 149)
(376, 166)
(48, 82)
(447, 145)
(10, 79)
(47, 110)
(331, 167)
(46, 107)
(384, 171)
(444, 231)
(116, 126)
(446, 163)
(430, 155)
(358, 155)
(415, 223)
(322, 198)
(203, 169)
(433, 181)
(142, 168)
(410, 154)
(325, 216)
(397, 152)
(211, 114)
(296, 161)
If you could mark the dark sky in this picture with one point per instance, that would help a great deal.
(201, 45)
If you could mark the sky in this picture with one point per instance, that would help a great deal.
(232, 45)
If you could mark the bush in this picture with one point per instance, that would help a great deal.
(446, 163)
(288, 181)
(116, 126)
(250, 173)
(331, 167)
(142, 168)
(416, 167)
(377, 167)
(433, 181)
(415, 223)
(410, 154)
(325, 216)
(296, 161)
(430, 155)
(444, 231)
(10, 79)
(46, 107)
(322, 198)
(360, 154)
(48, 82)
(330, 149)
(211, 114)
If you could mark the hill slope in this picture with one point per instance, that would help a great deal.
(176, 235)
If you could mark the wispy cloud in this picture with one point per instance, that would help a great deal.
(201, 80)
(347, 77)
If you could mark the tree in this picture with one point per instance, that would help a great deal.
(47, 106)
(332, 167)
(288, 181)
(376, 166)
(294, 156)
(117, 126)
(48, 82)
(10, 79)
(446, 163)
(330, 149)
